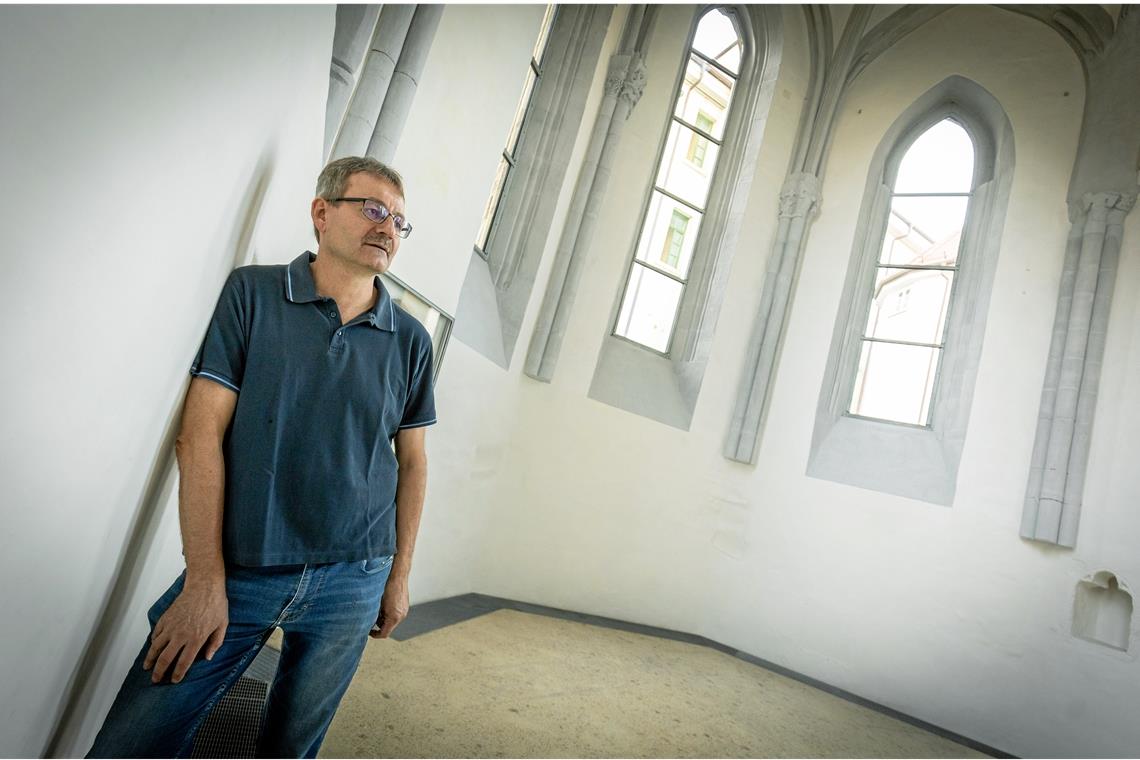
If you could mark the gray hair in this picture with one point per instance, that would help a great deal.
(334, 177)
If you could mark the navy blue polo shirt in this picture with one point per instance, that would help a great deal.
(310, 471)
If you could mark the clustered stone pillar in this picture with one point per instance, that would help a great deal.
(376, 75)
(378, 107)
(1102, 191)
(799, 198)
(625, 83)
(405, 79)
(355, 25)
(1072, 375)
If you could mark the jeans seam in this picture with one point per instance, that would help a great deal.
(301, 587)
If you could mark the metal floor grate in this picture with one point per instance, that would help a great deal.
(233, 726)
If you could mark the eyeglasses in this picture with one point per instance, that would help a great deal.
(375, 211)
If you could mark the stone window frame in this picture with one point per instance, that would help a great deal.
(518, 127)
(665, 387)
(497, 289)
(918, 462)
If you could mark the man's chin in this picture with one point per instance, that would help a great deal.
(378, 261)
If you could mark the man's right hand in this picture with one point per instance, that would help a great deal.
(199, 616)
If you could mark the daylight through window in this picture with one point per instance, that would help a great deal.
(685, 168)
(905, 331)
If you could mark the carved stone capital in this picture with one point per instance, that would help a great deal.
(626, 78)
(1101, 206)
(634, 85)
(799, 196)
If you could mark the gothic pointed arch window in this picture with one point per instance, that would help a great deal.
(899, 382)
(684, 173)
(913, 281)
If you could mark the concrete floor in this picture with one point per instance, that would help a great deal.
(514, 684)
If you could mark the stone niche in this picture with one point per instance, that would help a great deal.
(1102, 611)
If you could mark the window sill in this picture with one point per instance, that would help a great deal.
(903, 460)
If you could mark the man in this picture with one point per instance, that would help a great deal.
(291, 510)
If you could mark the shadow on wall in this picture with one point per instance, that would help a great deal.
(155, 493)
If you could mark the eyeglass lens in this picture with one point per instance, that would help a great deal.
(378, 212)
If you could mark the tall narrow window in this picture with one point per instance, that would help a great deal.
(684, 174)
(507, 161)
(905, 329)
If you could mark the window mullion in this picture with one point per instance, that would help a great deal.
(698, 130)
(711, 62)
(903, 342)
(658, 270)
(932, 267)
(668, 194)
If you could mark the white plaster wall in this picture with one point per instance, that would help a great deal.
(133, 140)
(943, 613)
(448, 155)
(538, 493)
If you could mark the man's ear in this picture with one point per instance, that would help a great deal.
(318, 211)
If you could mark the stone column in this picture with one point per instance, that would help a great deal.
(1102, 191)
(799, 199)
(376, 75)
(405, 78)
(625, 83)
(1072, 375)
(355, 25)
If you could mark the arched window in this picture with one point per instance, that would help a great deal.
(911, 292)
(684, 174)
(899, 381)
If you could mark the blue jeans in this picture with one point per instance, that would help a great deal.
(325, 611)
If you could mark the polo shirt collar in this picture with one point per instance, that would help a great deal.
(300, 288)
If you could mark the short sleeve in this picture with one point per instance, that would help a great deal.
(221, 356)
(419, 407)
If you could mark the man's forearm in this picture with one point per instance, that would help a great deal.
(201, 495)
(411, 486)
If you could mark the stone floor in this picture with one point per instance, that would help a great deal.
(515, 684)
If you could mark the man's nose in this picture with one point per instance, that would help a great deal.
(387, 226)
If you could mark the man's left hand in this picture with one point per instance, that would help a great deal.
(393, 608)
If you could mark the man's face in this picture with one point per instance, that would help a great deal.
(351, 237)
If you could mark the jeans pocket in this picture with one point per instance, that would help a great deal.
(375, 565)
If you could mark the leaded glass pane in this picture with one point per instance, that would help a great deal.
(679, 173)
(544, 34)
(895, 382)
(924, 230)
(660, 235)
(941, 160)
(649, 308)
(716, 38)
(492, 203)
(705, 90)
(910, 305)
